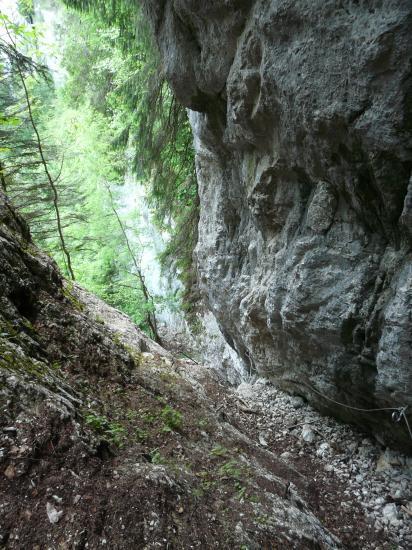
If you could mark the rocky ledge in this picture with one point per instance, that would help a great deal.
(301, 113)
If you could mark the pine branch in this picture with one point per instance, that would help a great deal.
(44, 162)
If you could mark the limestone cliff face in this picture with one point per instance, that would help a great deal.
(301, 112)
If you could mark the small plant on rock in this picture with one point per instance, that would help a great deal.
(172, 419)
(156, 457)
(111, 431)
(219, 450)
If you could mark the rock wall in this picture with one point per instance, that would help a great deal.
(214, 351)
(302, 112)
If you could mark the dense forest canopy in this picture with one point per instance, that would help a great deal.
(67, 147)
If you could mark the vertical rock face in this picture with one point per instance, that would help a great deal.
(302, 117)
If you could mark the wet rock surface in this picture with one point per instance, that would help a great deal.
(301, 116)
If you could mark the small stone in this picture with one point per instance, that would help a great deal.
(53, 514)
(351, 447)
(10, 472)
(286, 455)
(398, 494)
(297, 402)
(323, 449)
(10, 430)
(390, 513)
(307, 434)
(384, 462)
(408, 508)
(76, 499)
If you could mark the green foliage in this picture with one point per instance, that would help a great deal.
(81, 125)
(114, 101)
(231, 469)
(172, 419)
(141, 435)
(26, 9)
(19, 155)
(112, 432)
(128, 84)
(156, 457)
(219, 451)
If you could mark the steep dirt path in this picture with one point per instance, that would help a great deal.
(359, 490)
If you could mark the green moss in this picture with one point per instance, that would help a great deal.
(30, 248)
(68, 293)
(7, 329)
(14, 359)
(28, 324)
(20, 363)
(117, 339)
(133, 352)
(168, 377)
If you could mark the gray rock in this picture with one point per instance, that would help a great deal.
(297, 402)
(390, 513)
(53, 514)
(308, 434)
(303, 154)
(323, 449)
(286, 455)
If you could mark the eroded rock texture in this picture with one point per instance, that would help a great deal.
(302, 116)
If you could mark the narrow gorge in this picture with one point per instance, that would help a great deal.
(206, 274)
